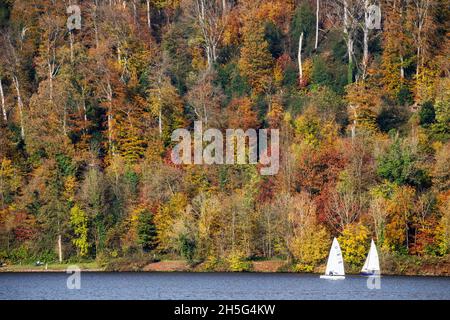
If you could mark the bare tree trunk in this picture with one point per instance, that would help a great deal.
(349, 33)
(109, 96)
(65, 120)
(317, 24)
(2, 97)
(50, 79)
(355, 121)
(60, 249)
(422, 7)
(402, 69)
(95, 24)
(365, 61)
(224, 7)
(418, 62)
(84, 109)
(211, 19)
(160, 122)
(135, 14)
(20, 105)
(300, 67)
(233, 229)
(149, 24)
(71, 46)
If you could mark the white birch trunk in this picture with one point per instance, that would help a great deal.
(109, 96)
(149, 23)
(2, 98)
(300, 67)
(317, 24)
(71, 46)
(20, 105)
(60, 249)
(348, 32)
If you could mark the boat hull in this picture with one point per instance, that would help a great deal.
(332, 277)
(370, 274)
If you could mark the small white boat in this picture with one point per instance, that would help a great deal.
(372, 265)
(335, 264)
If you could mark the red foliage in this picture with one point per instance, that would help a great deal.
(317, 174)
(24, 226)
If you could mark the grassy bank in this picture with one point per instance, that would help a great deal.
(51, 267)
(390, 265)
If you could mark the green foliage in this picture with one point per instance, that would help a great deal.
(274, 37)
(392, 117)
(404, 96)
(427, 115)
(231, 81)
(320, 74)
(187, 247)
(303, 21)
(441, 128)
(79, 222)
(146, 230)
(400, 165)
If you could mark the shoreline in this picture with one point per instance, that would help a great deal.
(31, 271)
(181, 266)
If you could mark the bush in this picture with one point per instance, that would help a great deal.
(213, 263)
(3, 256)
(237, 262)
(311, 248)
(427, 114)
(187, 248)
(19, 254)
(303, 268)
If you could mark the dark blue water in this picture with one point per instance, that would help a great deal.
(220, 286)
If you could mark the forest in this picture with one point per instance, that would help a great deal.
(87, 114)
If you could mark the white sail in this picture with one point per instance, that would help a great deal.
(335, 264)
(372, 264)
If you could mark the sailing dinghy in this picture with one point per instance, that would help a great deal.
(335, 264)
(372, 265)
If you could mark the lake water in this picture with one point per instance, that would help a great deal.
(217, 286)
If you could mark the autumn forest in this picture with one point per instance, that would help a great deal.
(87, 114)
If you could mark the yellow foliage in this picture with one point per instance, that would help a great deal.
(70, 185)
(237, 262)
(165, 220)
(354, 243)
(256, 61)
(400, 208)
(312, 246)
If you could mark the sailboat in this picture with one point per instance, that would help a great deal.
(372, 264)
(335, 264)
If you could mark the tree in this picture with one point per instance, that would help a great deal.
(255, 62)
(10, 181)
(309, 244)
(79, 223)
(363, 101)
(146, 230)
(206, 100)
(400, 165)
(354, 243)
(396, 55)
(212, 17)
(400, 209)
(164, 220)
